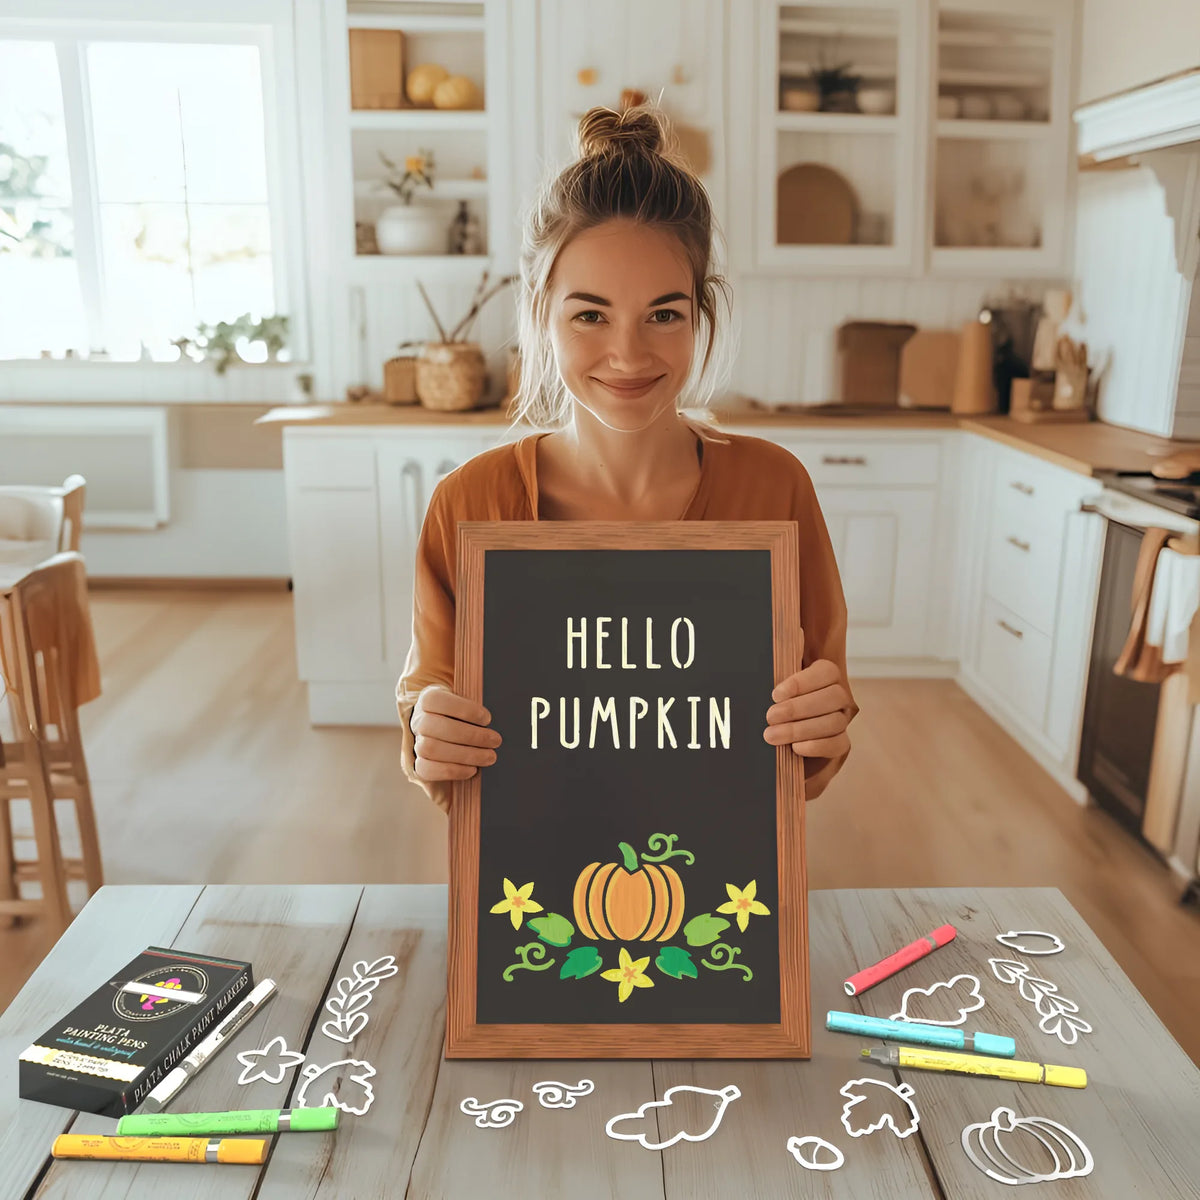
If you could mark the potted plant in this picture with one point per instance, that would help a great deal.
(836, 85)
(451, 373)
(220, 342)
(408, 228)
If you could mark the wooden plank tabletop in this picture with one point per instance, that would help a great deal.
(1138, 1114)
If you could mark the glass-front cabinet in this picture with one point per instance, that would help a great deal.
(912, 135)
(839, 112)
(1001, 146)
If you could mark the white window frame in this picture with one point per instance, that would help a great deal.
(267, 24)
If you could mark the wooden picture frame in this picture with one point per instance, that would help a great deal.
(789, 1035)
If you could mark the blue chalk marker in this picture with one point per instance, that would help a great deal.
(916, 1033)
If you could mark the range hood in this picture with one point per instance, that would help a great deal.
(1157, 126)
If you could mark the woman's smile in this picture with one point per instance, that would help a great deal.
(631, 390)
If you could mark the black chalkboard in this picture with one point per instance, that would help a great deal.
(629, 669)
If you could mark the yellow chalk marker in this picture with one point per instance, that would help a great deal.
(972, 1064)
(161, 1149)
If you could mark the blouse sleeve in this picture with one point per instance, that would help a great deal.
(822, 612)
(431, 652)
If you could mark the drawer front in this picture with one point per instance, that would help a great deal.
(1023, 565)
(1014, 661)
(854, 462)
(329, 462)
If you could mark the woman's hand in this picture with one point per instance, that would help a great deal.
(810, 712)
(452, 738)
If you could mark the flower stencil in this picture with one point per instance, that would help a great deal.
(517, 903)
(742, 902)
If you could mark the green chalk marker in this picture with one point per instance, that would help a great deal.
(255, 1120)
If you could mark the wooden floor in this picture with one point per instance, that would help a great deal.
(205, 770)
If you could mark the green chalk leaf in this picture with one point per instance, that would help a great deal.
(552, 928)
(703, 929)
(580, 963)
(676, 962)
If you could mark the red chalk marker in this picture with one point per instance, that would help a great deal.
(868, 977)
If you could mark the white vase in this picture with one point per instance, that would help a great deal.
(411, 229)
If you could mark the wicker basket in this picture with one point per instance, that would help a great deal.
(451, 376)
(400, 380)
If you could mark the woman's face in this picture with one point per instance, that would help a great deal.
(621, 322)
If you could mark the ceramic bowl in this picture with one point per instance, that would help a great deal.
(948, 107)
(1007, 107)
(800, 99)
(976, 108)
(877, 101)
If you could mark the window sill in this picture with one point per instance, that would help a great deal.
(57, 381)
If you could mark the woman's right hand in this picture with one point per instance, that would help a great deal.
(451, 735)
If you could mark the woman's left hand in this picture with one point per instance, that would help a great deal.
(811, 712)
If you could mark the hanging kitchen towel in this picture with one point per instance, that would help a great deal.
(1140, 659)
(1173, 603)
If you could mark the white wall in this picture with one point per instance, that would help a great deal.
(1133, 297)
(224, 524)
(1125, 45)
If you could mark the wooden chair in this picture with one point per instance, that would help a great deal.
(45, 619)
(49, 518)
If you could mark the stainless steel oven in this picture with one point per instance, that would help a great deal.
(1121, 715)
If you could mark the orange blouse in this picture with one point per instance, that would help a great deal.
(741, 479)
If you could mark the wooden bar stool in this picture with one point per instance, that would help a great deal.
(50, 667)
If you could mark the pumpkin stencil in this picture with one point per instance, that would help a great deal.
(997, 1147)
(630, 903)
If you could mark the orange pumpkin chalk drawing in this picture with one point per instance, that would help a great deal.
(629, 903)
(636, 902)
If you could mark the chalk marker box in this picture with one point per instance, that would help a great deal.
(108, 1053)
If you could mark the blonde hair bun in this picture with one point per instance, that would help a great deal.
(604, 131)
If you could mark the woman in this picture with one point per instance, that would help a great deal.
(616, 288)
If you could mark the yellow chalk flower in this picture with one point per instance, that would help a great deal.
(630, 974)
(517, 903)
(743, 903)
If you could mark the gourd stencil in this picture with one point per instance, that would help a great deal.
(723, 1099)
(640, 900)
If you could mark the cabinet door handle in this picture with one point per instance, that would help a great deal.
(410, 478)
(1020, 545)
(1009, 629)
(843, 460)
(1023, 488)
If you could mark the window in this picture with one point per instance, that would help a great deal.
(134, 199)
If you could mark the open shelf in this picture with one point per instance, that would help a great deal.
(418, 120)
(819, 122)
(962, 128)
(443, 189)
(415, 23)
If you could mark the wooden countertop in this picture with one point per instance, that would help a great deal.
(410, 1129)
(1083, 448)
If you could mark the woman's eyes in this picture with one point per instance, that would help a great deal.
(672, 316)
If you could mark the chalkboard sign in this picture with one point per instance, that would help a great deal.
(627, 879)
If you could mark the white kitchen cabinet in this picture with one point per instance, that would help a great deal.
(357, 498)
(409, 470)
(1029, 565)
(883, 547)
(333, 535)
(879, 492)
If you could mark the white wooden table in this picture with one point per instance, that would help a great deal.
(1140, 1113)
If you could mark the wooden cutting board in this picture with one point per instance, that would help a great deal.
(814, 206)
(928, 361)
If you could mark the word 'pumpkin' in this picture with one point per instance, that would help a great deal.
(631, 903)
